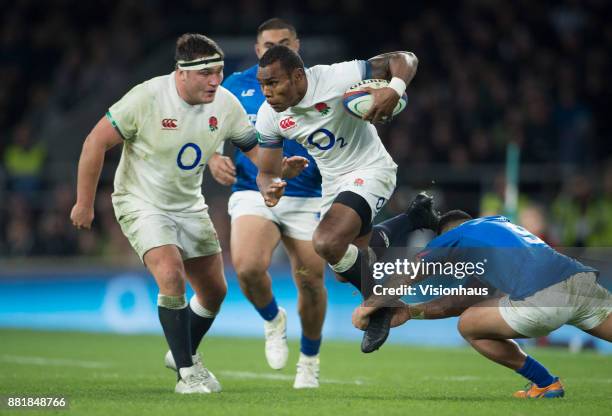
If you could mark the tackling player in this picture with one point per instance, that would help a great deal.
(358, 174)
(257, 229)
(544, 290)
(169, 126)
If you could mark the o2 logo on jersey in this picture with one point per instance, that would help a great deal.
(324, 139)
(189, 156)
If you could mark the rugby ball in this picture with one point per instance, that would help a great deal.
(357, 101)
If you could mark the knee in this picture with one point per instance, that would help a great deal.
(170, 276)
(464, 325)
(309, 282)
(328, 246)
(250, 272)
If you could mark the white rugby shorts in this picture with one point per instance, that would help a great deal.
(579, 301)
(375, 185)
(194, 234)
(296, 217)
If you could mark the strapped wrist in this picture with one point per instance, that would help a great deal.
(398, 85)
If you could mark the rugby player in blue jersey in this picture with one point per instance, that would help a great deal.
(543, 289)
(258, 229)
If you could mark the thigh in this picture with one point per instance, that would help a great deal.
(253, 240)
(484, 320)
(197, 235)
(305, 262)
(148, 230)
(374, 186)
(604, 329)
(340, 221)
(298, 217)
(249, 203)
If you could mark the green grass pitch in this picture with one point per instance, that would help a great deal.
(111, 375)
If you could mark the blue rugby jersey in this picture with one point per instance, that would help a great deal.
(245, 87)
(517, 262)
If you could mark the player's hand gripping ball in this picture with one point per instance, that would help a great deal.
(358, 99)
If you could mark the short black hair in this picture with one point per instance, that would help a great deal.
(276, 23)
(452, 216)
(289, 60)
(190, 46)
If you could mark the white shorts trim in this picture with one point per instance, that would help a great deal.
(296, 217)
(579, 301)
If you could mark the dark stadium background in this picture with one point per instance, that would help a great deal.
(493, 75)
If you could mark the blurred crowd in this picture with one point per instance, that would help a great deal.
(491, 73)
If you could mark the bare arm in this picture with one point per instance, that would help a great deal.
(397, 67)
(271, 186)
(102, 138)
(402, 65)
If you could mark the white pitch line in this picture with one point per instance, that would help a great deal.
(283, 377)
(60, 362)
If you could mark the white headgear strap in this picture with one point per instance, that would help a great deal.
(201, 63)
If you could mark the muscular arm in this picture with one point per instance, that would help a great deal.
(269, 163)
(399, 68)
(102, 138)
(402, 65)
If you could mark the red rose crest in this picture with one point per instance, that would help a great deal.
(212, 123)
(322, 108)
(358, 182)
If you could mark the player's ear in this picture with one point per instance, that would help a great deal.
(298, 74)
(257, 50)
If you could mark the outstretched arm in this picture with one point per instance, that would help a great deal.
(397, 67)
(102, 138)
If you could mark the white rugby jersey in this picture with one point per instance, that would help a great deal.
(340, 143)
(167, 143)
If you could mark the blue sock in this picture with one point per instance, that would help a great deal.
(536, 373)
(310, 346)
(269, 311)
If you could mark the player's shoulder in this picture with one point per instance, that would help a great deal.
(266, 116)
(144, 94)
(355, 64)
(156, 85)
(225, 98)
(338, 75)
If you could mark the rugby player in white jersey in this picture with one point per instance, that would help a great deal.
(169, 127)
(358, 174)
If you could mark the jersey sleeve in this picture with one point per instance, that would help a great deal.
(128, 114)
(242, 134)
(268, 134)
(346, 74)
